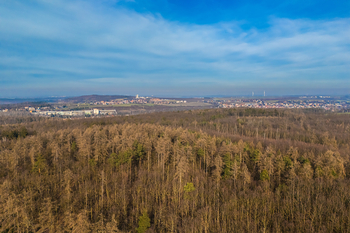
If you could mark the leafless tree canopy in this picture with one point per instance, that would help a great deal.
(236, 170)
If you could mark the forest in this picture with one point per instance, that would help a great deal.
(216, 170)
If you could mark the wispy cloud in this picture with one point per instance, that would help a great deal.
(57, 43)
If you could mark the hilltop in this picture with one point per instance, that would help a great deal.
(94, 98)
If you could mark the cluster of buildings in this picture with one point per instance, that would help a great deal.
(139, 100)
(48, 111)
(93, 112)
(302, 104)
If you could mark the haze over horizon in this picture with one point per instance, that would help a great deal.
(174, 48)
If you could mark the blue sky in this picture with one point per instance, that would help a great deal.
(173, 48)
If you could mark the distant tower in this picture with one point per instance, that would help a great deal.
(252, 93)
(137, 96)
(264, 93)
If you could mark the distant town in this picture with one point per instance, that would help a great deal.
(92, 106)
(322, 102)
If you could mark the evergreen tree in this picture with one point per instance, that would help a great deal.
(144, 222)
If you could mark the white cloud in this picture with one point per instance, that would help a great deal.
(91, 40)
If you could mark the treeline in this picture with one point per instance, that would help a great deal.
(17, 118)
(312, 126)
(124, 175)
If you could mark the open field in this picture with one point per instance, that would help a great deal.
(189, 104)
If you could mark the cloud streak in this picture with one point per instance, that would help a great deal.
(59, 43)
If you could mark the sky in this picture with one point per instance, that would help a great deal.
(174, 47)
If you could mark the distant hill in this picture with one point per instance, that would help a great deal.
(92, 98)
(29, 100)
